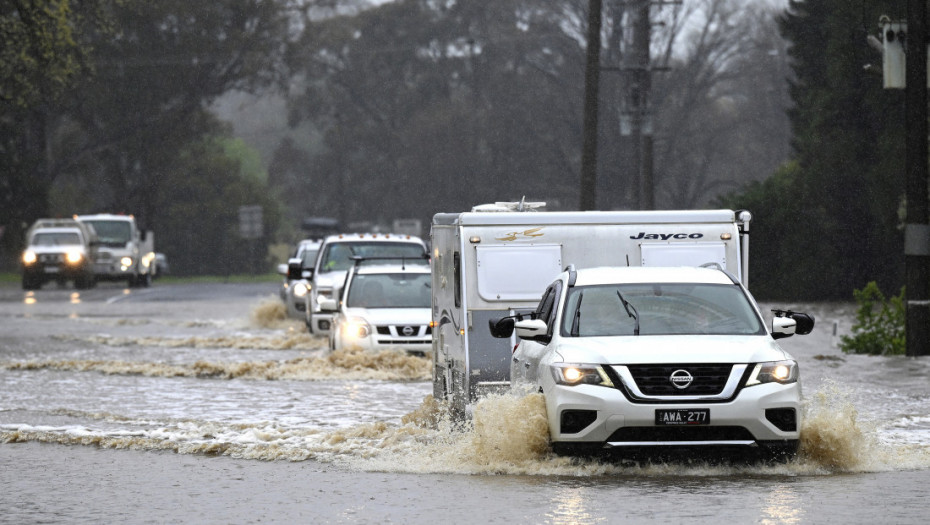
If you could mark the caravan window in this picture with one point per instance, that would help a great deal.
(517, 273)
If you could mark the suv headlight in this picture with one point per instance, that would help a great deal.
(783, 372)
(356, 328)
(580, 374)
(29, 257)
(73, 257)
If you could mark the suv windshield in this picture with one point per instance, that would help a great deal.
(55, 239)
(661, 309)
(390, 290)
(337, 255)
(112, 232)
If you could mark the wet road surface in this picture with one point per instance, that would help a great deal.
(198, 403)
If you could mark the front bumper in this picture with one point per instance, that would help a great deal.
(600, 417)
(390, 337)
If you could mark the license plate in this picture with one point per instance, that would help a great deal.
(683, 416)
(51, 269)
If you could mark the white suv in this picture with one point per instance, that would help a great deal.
(385, 306)
(334, 260)
(652, 360)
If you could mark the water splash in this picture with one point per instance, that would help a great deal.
(270, 313)
(507, 435)
(348, 364)
(835, 438)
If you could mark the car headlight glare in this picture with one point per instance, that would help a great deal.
(29, 257)
(74, 257)
(126, 261)
(301, 289)
(356, 328)
(783, 372)
(580, 374)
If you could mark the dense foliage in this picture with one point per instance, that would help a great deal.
(829, 221)
(411, 107)
(880, 324)
(113, 124)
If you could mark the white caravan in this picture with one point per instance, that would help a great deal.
(496, 261)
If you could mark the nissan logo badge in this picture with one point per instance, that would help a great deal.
(681, 379)
(408, 331)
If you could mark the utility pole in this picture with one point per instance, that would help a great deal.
(638, 118)
(917, 227)
(592, 75)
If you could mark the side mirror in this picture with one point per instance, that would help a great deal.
(787, 323)
(501, 328)
(783, 327)
(282, 269)
(805, 322)
(329, 305)
(294, 271)
(531, 329)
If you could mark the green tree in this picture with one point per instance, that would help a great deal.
(472, 99)
(202, 192)
(879, 328)
(156, 66)
(846, 182)
(41, 52)
(44, 53)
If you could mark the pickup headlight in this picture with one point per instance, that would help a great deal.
(783, 372)
(126, 262)
(74, 257)
(580, 374)
(29, 257)
(300, 289)
(356, 328)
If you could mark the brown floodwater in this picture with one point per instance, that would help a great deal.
(203, 403)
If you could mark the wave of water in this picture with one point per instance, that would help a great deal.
(507, 435)
(347, 364)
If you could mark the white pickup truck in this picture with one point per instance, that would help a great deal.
(124, 252)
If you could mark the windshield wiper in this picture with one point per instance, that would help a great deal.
(634, 314)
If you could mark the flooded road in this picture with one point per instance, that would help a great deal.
(198, 403)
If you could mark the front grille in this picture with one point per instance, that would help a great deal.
(681, 433)
(654, 380)
(399, 330)
(51, 258)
